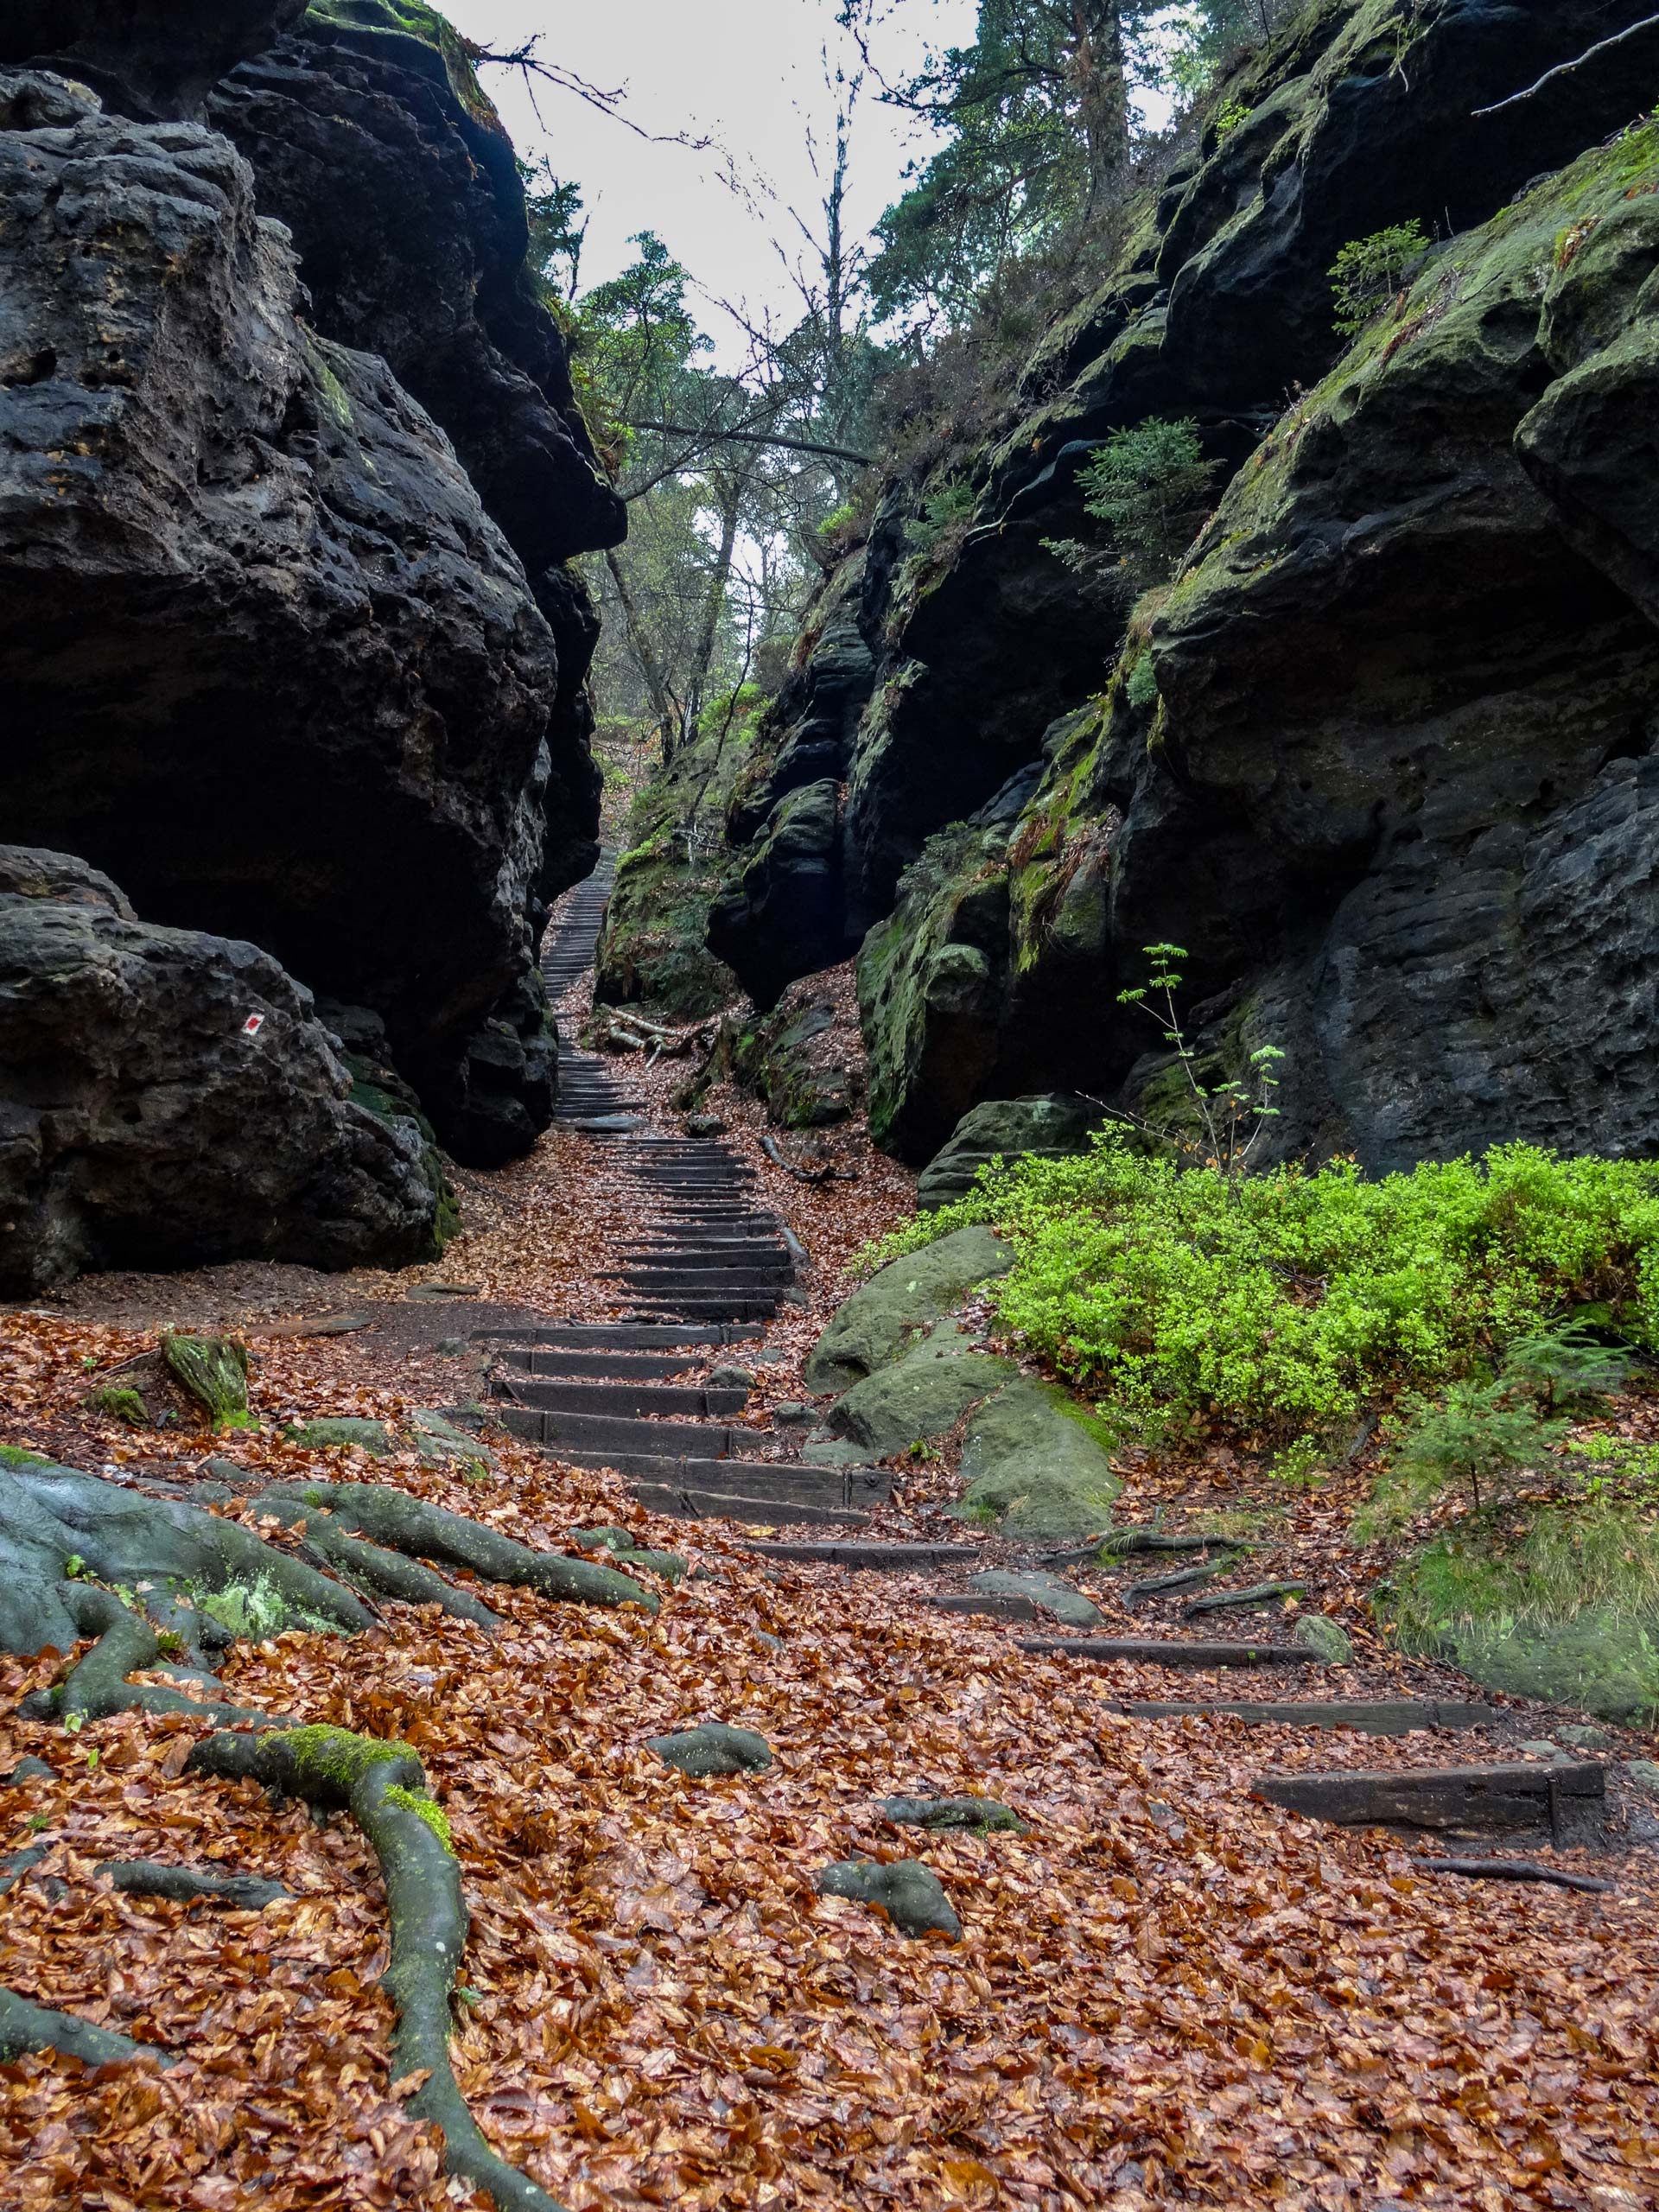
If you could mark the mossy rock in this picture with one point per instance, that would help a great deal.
(919, 1397)
(1597, 1663)
(712, 1749)
(910, 1894)
(372, 1436)
(1327, 1639)
(1038, 1464)
(884, 1319)
(982, 1815)
(1051, 1126)
(121, 1403)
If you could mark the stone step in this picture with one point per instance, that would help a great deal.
(684, 1504)
(1380, 1716)
(592, 1433)
(692, 1308)
(1473, 1799)
(715, 1283)
(701, 1250)
(1171, 1652)
(631, 1401)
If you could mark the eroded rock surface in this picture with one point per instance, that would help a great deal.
(144, 1124)
(265, 655)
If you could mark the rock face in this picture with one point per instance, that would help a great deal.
(1380, 760)
(370, 138)
(264, 654)
(156, 62)
(899, 1304)
(141, 1124)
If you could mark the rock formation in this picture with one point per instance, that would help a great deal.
(272, 653)
(1380, 759)
(170, 1099)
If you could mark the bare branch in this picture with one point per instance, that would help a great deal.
(530, 64)
(714, 435)
(1566, 68)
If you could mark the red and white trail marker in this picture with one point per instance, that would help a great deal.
(253, 1025)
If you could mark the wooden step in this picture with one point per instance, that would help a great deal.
(1528, 1794)
(637, 1400)
(619, 1336)
(873, 1558)
(686, 1504)
(1171, 1652)
(612, 1366)
(1382, 1716)
(601, 1433)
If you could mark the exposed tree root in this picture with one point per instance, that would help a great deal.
(97, 1686)
(387, 1573)
(25, 2027)
(393, 1518)
(384, 1787)
(147, 1877)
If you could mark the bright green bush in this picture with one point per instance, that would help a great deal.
(1279, 1302)
(1369, 271)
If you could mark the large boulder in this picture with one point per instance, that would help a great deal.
(786, 916)
(264, 655)
(917, 1399)
(1054, 1125)
(887, 1316)
(168, 1098)
(1037, 1465)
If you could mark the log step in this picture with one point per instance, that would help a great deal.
(1528, 1794)
(630, 1400)
(871, 1557)
(618, 1336)
(615, 1366)
(1171, 1652)
(684, 1504)
(1384, 1717)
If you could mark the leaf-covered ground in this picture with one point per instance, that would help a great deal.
(1165, 1992)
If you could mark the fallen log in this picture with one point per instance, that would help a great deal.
(1517, 1869)
(1524, 1795)
(1386, 1717)
(1169, 1651)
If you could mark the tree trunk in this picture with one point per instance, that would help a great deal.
(702, 658)
(665, 705)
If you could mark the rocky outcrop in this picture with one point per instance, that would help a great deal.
(806, 1059)
(1379, 761)
(154, 61)
(168, 1099)
(786, 916)
(264, 655)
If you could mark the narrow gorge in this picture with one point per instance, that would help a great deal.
(830, 1130)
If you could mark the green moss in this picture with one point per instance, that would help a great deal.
(412, 19)
(338, 1756)
(123, 1404)
(424, 1809)
(15, 1455)
(370, 1091)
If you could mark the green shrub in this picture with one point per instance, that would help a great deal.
(944, 514)
(1278, 1302)
(1367, 272)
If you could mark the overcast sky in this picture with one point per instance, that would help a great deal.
(748, 74)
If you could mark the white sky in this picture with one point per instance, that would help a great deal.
(748, 74)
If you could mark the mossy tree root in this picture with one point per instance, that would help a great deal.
(402, 1524)
(97, 1688)
(148, 1878)
(384, 1787)
(371, 1566)
(25, 2028)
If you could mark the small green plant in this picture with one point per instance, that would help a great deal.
(1302, 1464)
(170, 1643)
(1234, 1114)
(1149, 484)
(921, 1449)
(1564, 1366)
(1369, 271)
(1141, 687)
(1228, 118)
(254, 1611)
(1475, 1435)
(944, 513)
(37, 1821)
(74, 1566)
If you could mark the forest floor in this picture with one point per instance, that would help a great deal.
(1165, 1989)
